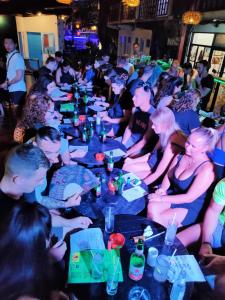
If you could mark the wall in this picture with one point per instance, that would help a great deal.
(127, 37)
(41, 24)
(7, 25)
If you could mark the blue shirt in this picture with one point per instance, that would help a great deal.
(187, 120)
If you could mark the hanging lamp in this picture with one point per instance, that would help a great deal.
(131, 3)
(192, 17)
(68, 2)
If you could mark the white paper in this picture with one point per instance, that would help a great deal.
(133, 177)
(97, 108)
(86, 239)
(134, 193)
(73, 148)
(116, 152)
(189, 264)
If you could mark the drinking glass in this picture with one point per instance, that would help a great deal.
(152, 256)
(109, 219)
(171, 232)
(161, 268)
(97, 265)
(139, 293)
(112, 281)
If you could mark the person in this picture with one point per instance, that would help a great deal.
(106, 57)
(218, 155)
(184, 110)
(59, 58)
(138, 131)
(37, 105)
(15, 66)
(136, 50)
(204, 82)
(188, 77)
(168, 86)
(49, 68)
(124, 63)
(120, 112)
(89, 74)
(189, 177)
(171, 141)
(174, 70)
(23, 238)
(66, 75)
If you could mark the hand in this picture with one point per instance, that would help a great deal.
(73, 201)
(160, 192)
(205, 250)
(58, 250)
(4, 85)
(154, 197)
(215, 264)
(80, 222)
(78, 153)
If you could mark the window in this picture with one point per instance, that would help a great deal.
(205, 39)
(162, 7)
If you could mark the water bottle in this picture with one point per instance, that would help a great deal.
(84, 134)
(98, 188)
(137, 262)
(91, 130)
(110, 163)
(178, 288)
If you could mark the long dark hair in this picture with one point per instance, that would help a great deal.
(24, 260)
(40, 86)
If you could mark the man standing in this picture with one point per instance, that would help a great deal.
(15, 66)
(204, 82)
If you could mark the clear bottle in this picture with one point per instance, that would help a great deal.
(178, 288)
(137, 262)
(110, 164)
(98, 188)
(84, 134)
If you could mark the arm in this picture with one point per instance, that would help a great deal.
(127, 134)
(17, 78)
(58, 77)
(52, 203)
(202, 182)
(127, 114)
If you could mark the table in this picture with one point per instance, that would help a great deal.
(96, 146)
(131, 226)
(93, 207)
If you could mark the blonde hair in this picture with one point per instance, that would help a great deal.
(165, 116)
(210, 136)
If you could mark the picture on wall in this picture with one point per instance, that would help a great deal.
(48, 43)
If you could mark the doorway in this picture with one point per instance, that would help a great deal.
(35, 46)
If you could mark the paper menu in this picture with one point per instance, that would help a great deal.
(116, 152)
(134, 193)
(97, 108)
(74, 148)
(133, 178)
(191, 267)
(86, 239)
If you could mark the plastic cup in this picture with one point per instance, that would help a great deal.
(171, 232)
(139, 293)
(112, 282)
(152, 256)
(97, 265)
(109, 219)
(161, 268)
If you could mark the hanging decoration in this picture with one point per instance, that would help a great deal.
(192, 17)
(68, 2)
(131, 3)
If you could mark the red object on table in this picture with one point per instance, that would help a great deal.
(116, 241)
(82, 118)
(69, 96)
(99, 156)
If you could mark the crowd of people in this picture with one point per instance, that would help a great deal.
(154, 114)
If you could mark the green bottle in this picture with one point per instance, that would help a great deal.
(75, 118)
(98, 188)
(103, 134)
(137, 262)
(91, 130)
(110, 163)
(120, 183)
(85, 99)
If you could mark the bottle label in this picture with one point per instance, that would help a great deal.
(136, 273)
(98, 191)
(110, 166)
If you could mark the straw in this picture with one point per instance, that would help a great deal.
(115, 270)
(153, 236)
(141, 294)
(174, 252)
(174, 217)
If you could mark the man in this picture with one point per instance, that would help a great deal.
(59, 58)
(15, 66)
(204, 82)
(136, 50)
(139, 131)
(49, 68)
(123, 62)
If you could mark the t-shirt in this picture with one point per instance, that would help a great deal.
(141, 120)
(219, 198)
(15, 62)
(44, 71)
(187, 120)
(6, 204)
(207, 82)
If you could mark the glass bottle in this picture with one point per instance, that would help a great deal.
(137, 262)
(110, 163)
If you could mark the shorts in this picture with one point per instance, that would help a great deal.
(17, 98)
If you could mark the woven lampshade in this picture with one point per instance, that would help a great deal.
(68, 2)
(192, 17)
(131, 3)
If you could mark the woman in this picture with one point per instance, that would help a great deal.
(38, 103)
(189, 177)
(66, 75)
(167, 87)
(120, 112)
(185, 113)
(25, 264)
(171, 141)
